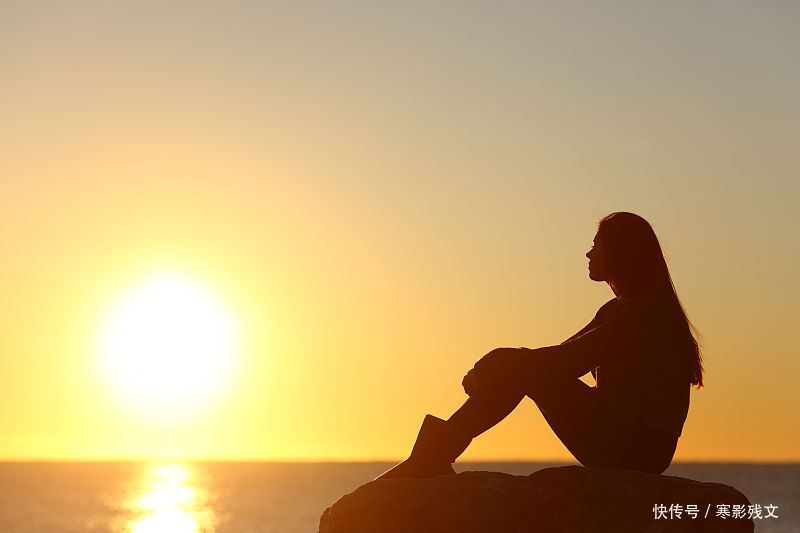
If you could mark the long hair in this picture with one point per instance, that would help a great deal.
(637, 266)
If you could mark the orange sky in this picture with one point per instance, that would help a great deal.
(381, 195)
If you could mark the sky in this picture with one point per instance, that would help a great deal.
(378, 194)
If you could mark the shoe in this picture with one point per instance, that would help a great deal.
(438, 445)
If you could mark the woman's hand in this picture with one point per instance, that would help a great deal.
(502, 367)
(469, 383)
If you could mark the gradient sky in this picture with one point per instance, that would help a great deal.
(381, 193)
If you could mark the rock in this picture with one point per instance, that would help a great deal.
(551, 500)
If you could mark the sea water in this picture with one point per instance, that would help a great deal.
(238, 497)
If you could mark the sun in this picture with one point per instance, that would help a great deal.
(168, 344)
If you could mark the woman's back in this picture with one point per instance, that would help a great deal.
(648, 384)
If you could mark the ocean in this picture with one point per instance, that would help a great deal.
(263, 497)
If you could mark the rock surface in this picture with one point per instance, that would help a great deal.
(551, 500)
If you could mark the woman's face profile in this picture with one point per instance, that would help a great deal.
(598, 268)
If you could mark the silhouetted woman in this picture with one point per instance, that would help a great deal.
(639, 347)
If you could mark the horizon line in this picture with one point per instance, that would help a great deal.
(360, 461)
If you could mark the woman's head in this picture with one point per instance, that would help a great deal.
(628, 256)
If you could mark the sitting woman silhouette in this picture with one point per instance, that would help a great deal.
(639, 347)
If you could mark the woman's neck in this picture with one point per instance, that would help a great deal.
(619, 293)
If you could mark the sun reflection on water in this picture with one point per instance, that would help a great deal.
(168, 503)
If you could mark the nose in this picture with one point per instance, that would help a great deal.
(589, 254)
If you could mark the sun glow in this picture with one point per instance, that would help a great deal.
(170, 504)
(168, 344)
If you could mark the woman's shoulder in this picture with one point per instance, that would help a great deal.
(637, 310)
(645, 304)
(607, 307)
(602, 313)
(641, 310)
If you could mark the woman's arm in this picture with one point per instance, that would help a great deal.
(584, 329)
(612, 339)
(591, 325)
(596, 321)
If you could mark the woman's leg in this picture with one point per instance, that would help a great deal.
(482, 411)
(568, 407)
(572, 410)
(592, 435)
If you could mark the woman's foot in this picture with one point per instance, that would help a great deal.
(414, 469)
(438, 445)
